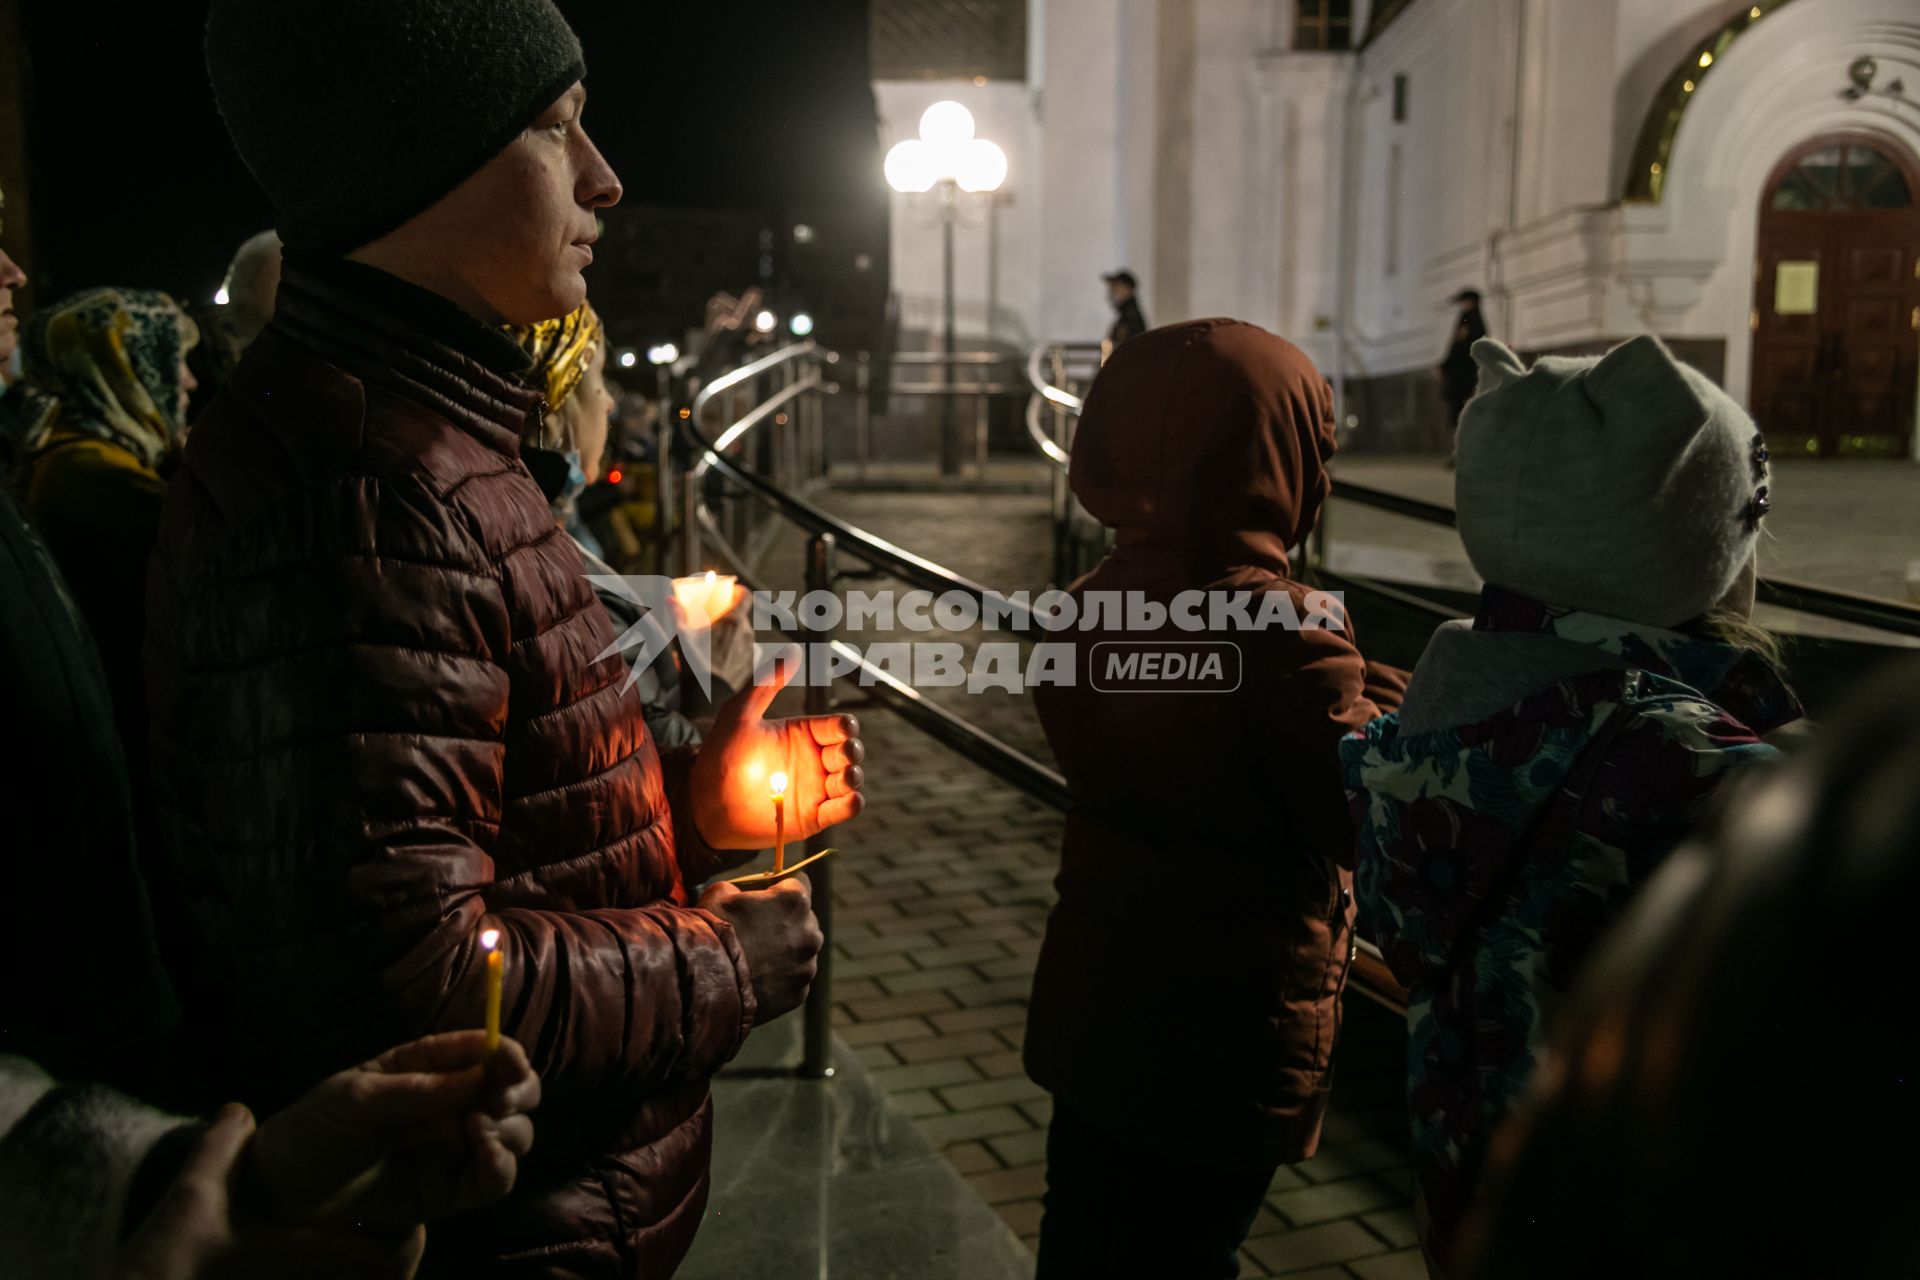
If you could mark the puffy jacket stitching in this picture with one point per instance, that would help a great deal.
(453, 490)
(584, 611)
(477, 565)
(585, 780)
(618, 686)
(329, 738)
(444, 566)
(689, 1008)
(635, 836)
(281, 655)
(277, 845)
(553, 532)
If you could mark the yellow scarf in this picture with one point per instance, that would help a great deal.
(562, 350)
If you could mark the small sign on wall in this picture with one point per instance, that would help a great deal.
(1796, 289)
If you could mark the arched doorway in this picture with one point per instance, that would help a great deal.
(1836, 309)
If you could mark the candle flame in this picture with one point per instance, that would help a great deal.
(779, 784)
(704, 599)
(489, 938)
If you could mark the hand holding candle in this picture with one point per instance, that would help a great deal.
(732, 776)
(490, 939)
(704, 599)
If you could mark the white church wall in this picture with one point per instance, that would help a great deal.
(1222, 279)
(1291, 258)
(1684, 267)
(1139, 195)
(1432, 189)
(1505, 176)
(1078, 79)
(1650, 37)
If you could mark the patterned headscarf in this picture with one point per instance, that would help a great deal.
(107, 363)
(562, 350)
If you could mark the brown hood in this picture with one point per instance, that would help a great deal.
(1210, 438)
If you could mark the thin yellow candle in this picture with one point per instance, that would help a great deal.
(490, 939)
(778, 782)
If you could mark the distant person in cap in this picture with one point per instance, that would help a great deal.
(1129, 322)
(1458, 373)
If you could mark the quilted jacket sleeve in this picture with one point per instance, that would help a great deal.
(1323, 696)
(330, 707)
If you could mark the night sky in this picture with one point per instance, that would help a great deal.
(748, 104)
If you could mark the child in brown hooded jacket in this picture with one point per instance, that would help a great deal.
(1187, 998)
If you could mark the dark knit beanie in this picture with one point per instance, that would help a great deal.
(355, 115)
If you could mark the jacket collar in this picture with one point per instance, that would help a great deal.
(396, 335)
(1736, 678)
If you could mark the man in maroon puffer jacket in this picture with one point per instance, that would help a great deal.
(380, 723)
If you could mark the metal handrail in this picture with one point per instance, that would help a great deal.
(958, 388)
(956, 357)
(999, 758)
(1786, 593)
(1042, 441)
(1037, 379)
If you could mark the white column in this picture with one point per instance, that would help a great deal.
(1079, 101)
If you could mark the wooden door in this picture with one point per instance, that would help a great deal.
(1836, 344)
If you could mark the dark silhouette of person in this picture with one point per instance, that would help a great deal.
(1458, 374)
(1658, 1143)
(1128, 321)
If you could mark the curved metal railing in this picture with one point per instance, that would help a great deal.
(712, 460)
(1045, 393)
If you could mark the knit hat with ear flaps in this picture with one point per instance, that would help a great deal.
(355, 115)
(1627, 485)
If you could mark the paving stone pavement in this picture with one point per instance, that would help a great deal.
(940, 897)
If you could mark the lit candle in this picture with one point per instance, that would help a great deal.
(490, 939)
(779, 784)
(705, 598)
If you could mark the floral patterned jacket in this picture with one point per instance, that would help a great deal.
(1492, 855)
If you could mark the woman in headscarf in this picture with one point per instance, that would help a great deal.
(564, 447)
(96, 424)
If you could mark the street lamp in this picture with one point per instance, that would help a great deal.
(949, 159)
(661, 356)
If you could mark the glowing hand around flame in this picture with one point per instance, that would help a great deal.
(820, 755)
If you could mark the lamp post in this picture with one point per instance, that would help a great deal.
(662, 358)
(946, 157)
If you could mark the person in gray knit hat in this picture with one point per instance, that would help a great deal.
(1628, 485)
(1552, 750)
(396, 749)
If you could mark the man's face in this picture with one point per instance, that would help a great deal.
(11, 278)
(518, 233)
(1118, 291)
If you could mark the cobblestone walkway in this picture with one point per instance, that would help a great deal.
(941, 897)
